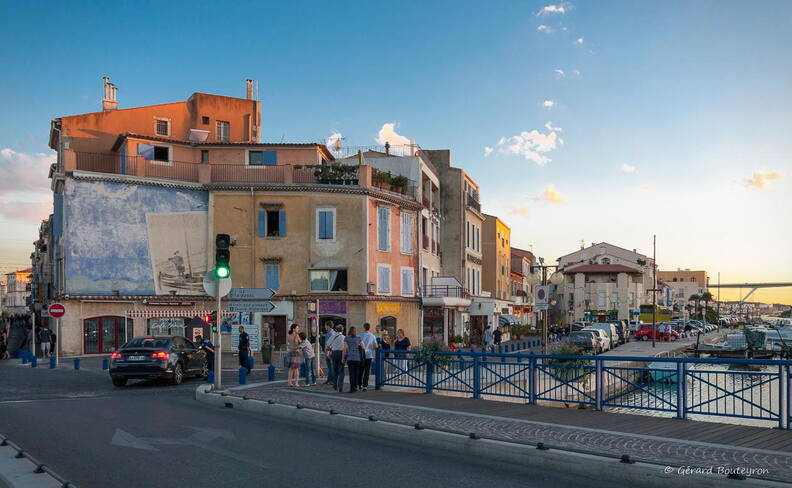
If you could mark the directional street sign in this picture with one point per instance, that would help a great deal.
(250, 294)
(246, 307)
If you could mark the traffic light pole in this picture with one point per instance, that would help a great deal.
(218, 366)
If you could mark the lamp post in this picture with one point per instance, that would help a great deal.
(534, 278)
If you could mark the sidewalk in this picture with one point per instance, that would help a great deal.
(663, 441)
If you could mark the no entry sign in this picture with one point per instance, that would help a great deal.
(56, 310)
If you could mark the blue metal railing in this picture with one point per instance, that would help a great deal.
(736, 388)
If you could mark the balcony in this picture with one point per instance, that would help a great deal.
(446, 296)
(472, 202)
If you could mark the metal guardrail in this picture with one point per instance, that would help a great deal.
(40, 468)
(446, 291)
(760, 390)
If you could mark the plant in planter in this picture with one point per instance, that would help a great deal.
(399, 183)
(428, 354)
(569, 369)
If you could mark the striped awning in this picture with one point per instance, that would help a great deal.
(152, 314)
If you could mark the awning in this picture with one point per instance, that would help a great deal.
(156, 314)
(506, 320)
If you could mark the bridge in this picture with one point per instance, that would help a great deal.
(752, 286)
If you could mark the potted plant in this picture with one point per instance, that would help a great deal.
(399, 183)
(569, 369)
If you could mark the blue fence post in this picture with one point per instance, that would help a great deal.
(599, 384)
(53, 365)
(429, 376)
(500, 348)
(531, 379)
(681, 393)
(23, 357)
(787, 379)
(76, 364)
(271, 372)
(105, 364)
(242, 375)
(781, 377)
(33, 362)
(476, 376)
(210, 377)
(379, 367)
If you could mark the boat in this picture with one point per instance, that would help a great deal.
(663, 372)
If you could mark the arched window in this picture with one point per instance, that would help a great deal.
(605, 261)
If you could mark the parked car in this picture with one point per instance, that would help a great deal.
(623, 330)
(157, 358)
(635, 325)
(603, 339)
(579, 325)
(663, 332)
(585, 340)
(611, 330)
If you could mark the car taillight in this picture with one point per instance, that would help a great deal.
(115, 355)
(160, 355)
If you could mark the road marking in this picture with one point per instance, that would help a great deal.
(253, 385)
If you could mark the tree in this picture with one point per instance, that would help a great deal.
(707, 297)
(695, 299)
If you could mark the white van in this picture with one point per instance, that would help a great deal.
(603, 339)
(610, 329)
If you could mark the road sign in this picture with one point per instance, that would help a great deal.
(542, 296)
(541, 307)
(250, 294)
(210, 287)
(57, 310)
(255, 307)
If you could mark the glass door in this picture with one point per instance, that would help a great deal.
(92, 336)
(108, 334)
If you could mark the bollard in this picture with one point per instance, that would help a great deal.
(271, 373)
(250, 363)
(24, 358)
(53, 365)
(242, 375)
(105, 364)
(33, 362)
(210, 377)
(76, 364)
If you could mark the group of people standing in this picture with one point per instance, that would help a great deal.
(15, 335)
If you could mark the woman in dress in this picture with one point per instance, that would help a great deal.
(294, 357)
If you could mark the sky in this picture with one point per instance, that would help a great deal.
(582, 121)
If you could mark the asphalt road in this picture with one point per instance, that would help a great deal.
(150, 434)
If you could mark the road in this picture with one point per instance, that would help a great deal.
(150, 434)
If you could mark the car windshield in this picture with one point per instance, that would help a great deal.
(148, 342)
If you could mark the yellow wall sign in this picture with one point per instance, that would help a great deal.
(388, 308)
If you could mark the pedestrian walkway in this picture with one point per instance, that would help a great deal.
(665, 441)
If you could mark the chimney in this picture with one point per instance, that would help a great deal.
(249, 89)
(109, 100)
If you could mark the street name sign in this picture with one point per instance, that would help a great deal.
(248, 307)
(250, 294)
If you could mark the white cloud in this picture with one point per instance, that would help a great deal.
(548, 103)
(559, 73)
(759, 179)
(488, 150)
(521, 210)
(550, 195)
(628, 168)
(24, 173)
(579, 40)
(334, 137)
(546, 29)
(552, 9)
(549, 126)
(644, 186)
(388, 134)
(576, 72)
(531, 145)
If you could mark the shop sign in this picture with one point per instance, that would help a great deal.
(160, 303)
(332, 308)
(388, 308)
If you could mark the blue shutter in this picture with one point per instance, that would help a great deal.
(282, 222)
(262, 223)
(270, 158)
(273, 276)
(330, 228)
(322, 224)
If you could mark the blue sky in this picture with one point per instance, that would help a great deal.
(666, 109)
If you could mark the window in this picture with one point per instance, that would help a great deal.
(601, 299)
(272, 276)
(328, 280)
(205, 120)
(262, 158)
(383, 278)
(467, 234)
(204, 156)
(407, 281)
(163, 127)
(383, 229)
(272, 223)
(325, 224)
(161, 153)
(407, 224)
(223, 131)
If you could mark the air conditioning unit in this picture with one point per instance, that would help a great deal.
(371, 288)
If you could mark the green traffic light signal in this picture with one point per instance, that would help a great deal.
(222, 256)
(222, 272)
(214, 327)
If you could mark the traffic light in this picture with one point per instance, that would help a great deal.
(210, 320)
(222, 256)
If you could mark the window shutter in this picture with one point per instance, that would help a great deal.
(282, 222)
(262, 223)
(273, 276)
(330, 228)
(322, 225)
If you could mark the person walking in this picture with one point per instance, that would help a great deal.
(497, 335)
(44, 337)
(370, 345)
(488, 337)
(353, 354)
(308, 354)
(324, 341)
(208, 348)
(294, 355)
(402, 341)
(336, 347)
(244, 349)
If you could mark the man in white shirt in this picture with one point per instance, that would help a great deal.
(336, 346)
(326, 340)
(369, 342)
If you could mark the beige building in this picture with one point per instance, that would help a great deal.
(681, 284)
(17, 292)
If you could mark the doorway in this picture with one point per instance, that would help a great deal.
(102, 335)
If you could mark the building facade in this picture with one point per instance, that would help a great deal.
(522, 291)
(16, 299)
(680, 285)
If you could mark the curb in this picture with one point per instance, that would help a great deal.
(21, 470)
(527, 456)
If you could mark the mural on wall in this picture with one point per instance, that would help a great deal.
(119, 237)
(177, 245)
